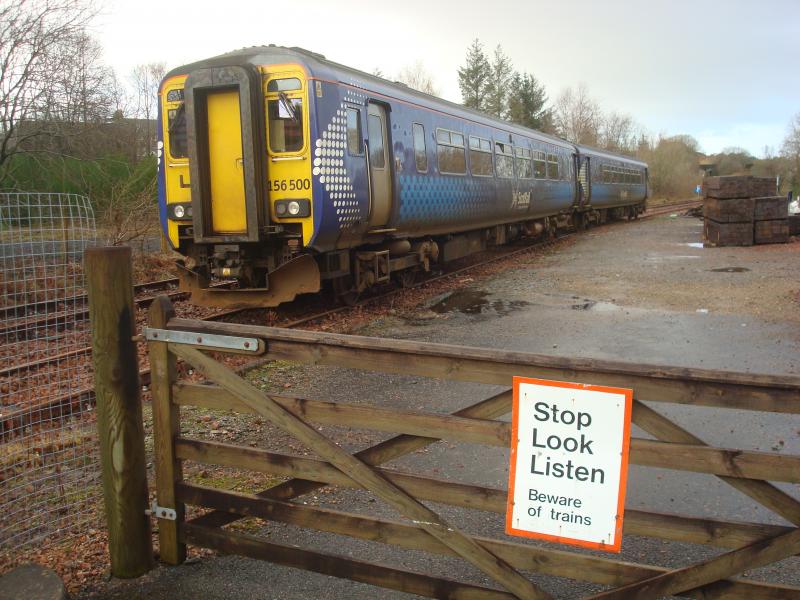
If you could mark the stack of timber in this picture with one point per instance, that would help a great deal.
(771, 220)
(743, 210)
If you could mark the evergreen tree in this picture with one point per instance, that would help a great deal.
(526, 102)
(497, 90)
(473, 77)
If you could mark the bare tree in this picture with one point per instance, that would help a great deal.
(33, 35)
(618, 133)
(577, 116)
(416, 76)
(790, 150)
(146, 80)
(672, 165)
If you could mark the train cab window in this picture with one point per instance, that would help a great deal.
(285, 123)
(377, 157)
(355, 141)
(176, 130)
(539, 168)
(420, 152)
(450, 152)
(523, 160)
(480, 157)
(552, 167)
(504, 159)
(284, 85)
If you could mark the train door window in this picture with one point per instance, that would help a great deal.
(480, 157)
(176, 130)
(552, 167)
(450, 152)
(420, 153)
(285, 123)
(523, 160)
(504, 159)
(539, 168)
(355, 140)
(377, 157)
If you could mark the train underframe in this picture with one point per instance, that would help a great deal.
(267, 275)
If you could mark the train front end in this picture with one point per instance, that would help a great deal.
(235, 181)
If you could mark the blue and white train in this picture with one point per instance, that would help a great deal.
(286, 171)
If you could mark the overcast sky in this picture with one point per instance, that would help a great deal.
(725, 72)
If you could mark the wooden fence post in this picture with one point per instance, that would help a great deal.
(109, 284)
(166, 427)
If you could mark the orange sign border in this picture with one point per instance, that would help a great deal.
(623, 477)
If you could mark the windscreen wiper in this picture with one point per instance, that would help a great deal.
(288, 106)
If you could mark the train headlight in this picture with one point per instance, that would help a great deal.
(292, 208)
(180, 212)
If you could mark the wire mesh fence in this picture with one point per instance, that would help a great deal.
(49, 471)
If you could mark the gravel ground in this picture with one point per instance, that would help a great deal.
(640, 292)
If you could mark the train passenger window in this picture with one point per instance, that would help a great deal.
(450, 152)
(420, 154)
(504, 159)
(539, 169)
(285, 124)
(480, 157)
(284, 85)
(524, 168)
(552, 167)
(377, 157)
(355, 140)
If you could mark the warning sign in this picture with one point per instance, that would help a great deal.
(569, 462)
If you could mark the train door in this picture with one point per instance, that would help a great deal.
(584, 181)
(378, 160)
(226, 167)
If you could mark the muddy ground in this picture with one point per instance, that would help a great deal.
(644, 292)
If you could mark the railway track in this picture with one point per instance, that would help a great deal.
(63, 406)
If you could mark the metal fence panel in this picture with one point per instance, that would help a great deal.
(49, 474)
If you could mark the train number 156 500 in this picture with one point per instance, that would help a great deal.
(284, 185)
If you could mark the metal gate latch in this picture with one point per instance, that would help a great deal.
(160, 512)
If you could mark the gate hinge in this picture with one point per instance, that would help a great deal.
(208, 340)
(160, 512)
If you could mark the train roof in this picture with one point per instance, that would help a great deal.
(607, 154)
(318, 65)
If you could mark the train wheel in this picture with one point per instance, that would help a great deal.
(345, 291)
(406, 278)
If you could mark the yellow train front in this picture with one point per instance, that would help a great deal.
(283, 170)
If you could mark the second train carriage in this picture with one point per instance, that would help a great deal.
(284, 170)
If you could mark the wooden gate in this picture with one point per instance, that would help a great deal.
(750, 472)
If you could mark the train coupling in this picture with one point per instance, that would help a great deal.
(299, 275)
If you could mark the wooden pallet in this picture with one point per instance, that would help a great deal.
(770, 207)
(738, 186)
(775, 231)
(728, 234)
(729, 210)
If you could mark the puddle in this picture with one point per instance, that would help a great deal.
(730, 270)
(476, 302)
(695, 245)
(595, 306)
(585, 305)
